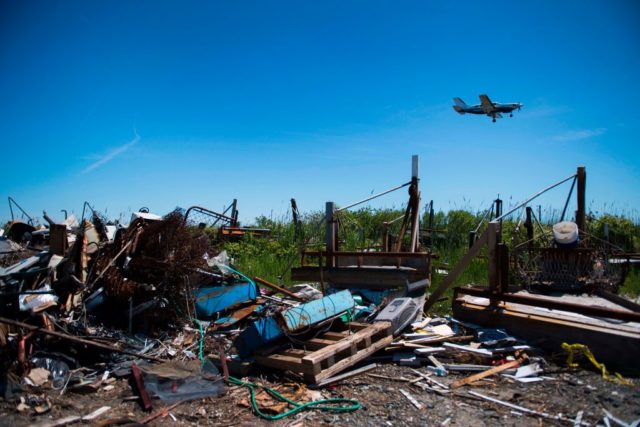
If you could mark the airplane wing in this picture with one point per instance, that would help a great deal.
(486, 104)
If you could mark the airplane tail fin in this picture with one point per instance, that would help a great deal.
(459, 102)
(460, 105)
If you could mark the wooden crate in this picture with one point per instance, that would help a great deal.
(332, 352)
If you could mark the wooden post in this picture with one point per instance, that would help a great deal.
(385, 237)
(431, 229)
(234, 213)
(503, 268)
(414, 199)
(492, 243)
(582, 185)
(330, 239)
(528, 224)
(498, 205)
(58, 244)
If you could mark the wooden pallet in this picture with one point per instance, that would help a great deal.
(332, 352)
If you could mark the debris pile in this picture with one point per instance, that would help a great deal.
(154, 314)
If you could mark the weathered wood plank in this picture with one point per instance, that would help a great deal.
(345, 344)
(350, 361)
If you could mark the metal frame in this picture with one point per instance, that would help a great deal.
(498, 289)
(231, 221)
(13, 202)
(358, 267)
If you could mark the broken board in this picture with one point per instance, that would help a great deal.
(549, 328)
(330, 353)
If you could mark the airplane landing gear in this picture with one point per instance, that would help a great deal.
(494, 120)
(511, 115)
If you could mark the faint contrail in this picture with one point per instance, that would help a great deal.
(576, 135)
(112, 154)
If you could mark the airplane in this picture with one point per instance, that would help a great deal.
(491, 109)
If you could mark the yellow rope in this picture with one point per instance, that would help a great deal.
(572, 349)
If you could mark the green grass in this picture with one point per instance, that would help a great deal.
(631, 285)
(272, 258)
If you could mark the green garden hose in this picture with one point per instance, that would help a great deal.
(322, 404)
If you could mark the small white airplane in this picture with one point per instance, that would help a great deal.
(491, 109)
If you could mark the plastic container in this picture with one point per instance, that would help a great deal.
(566, 234)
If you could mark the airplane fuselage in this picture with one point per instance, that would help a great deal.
(486, 107)
(497, 108)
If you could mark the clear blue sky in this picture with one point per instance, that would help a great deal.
(264, 101)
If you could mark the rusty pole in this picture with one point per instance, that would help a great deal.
(582, 185)
(330, 238)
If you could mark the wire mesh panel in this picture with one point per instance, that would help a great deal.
(568, 269)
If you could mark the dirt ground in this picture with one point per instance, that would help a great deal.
(566, 393)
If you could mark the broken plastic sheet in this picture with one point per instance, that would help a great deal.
(174, 382)
(221, 261)
(37, 300)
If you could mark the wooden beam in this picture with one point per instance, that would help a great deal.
(347, 375)
(411, 399)
(489, 372)
(279, 289)
(457, 270)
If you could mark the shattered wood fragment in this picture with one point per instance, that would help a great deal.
(411, 399)
(386, 377)
(144, 394)
(61, 422)
(431, 380)
(495, 370)
(615, 419)
(161, 413)
(436, 362)
(347, 375)
(518, 408)
(279, 289)
(439, 340)
(465, 348)
(95, 414)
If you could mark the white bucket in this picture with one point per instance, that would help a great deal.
(565, 233)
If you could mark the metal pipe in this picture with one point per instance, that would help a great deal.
(13, 202)
(485, 217)
(581, 176)
(84, 207)
(534, 197)
(395, 220)
(566, 204)
(373, 197)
